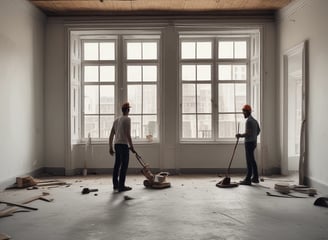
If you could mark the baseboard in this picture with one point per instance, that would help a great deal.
(321, 187)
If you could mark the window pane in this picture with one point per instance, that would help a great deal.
(90, 51)
(239, 72)
(204, 126)
(91, 126)
(134, 98)
(133, 50)
(189, 126)
(227, 97)
(227, 126)
(149, 50)
(224, 72)
(188, 98)
(107, 99)
(241, 121)
(203, 72)
(229, 123)
(91, 74)
(188, 50)
(240, 49)
(204, 50)
(225, 49)
(231, 97)
(134, 74)
(107, 51)
(149, 73)
(136, 127)
(106, 123)
(204, 96)
(90, 99)
(107, 73)
(240, 96)
(150, 127)
(149, 99)
(188, 72)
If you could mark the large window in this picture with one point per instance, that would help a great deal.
(113, 70)
(142, 80)
(214, 77)
(99, 64)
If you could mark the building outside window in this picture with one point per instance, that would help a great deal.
(215, 80)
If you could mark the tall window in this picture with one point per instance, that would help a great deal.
(214, 86)
(120, 68)
(99, 65)
(142, 64)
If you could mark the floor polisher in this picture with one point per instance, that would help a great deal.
(226, 181)
(157, 181)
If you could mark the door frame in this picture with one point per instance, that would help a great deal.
(300, 48)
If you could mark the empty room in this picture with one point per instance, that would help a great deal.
(163, 119)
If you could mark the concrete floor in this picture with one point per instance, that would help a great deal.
(193, 208)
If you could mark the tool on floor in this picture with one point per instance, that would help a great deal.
(157, 181)
(87, 190)
(321, 201)
(226, 181)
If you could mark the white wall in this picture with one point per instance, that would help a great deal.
(307, 20)
(22, 29)
(169, 154)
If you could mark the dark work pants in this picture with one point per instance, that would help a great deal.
(121, 165)
(250, 160)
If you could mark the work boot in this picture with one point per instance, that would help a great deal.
(245, 182)
(125, 188)
(255, 180)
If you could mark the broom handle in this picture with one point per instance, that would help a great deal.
(233, 153)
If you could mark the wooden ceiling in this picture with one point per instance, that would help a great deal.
(118, 7)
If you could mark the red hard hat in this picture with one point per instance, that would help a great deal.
(247, 107)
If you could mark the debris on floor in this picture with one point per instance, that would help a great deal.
(13, 207)
(31, 183)
(4, 236)
(128, 198)
(88, 190)
(286, 188)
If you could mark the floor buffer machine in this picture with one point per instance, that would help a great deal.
(226, 181)
(156, 181)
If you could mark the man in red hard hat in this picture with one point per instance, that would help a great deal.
(122, 130)
(252, 130)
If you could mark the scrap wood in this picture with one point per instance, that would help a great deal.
(9, 211)
(304, 189)
(25, 181)
(4, 236)
(286, 195)
(18, 205)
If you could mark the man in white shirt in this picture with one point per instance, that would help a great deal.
(122, 130)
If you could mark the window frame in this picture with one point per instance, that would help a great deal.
(143, 62)
(215, 61)
(120, 83)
